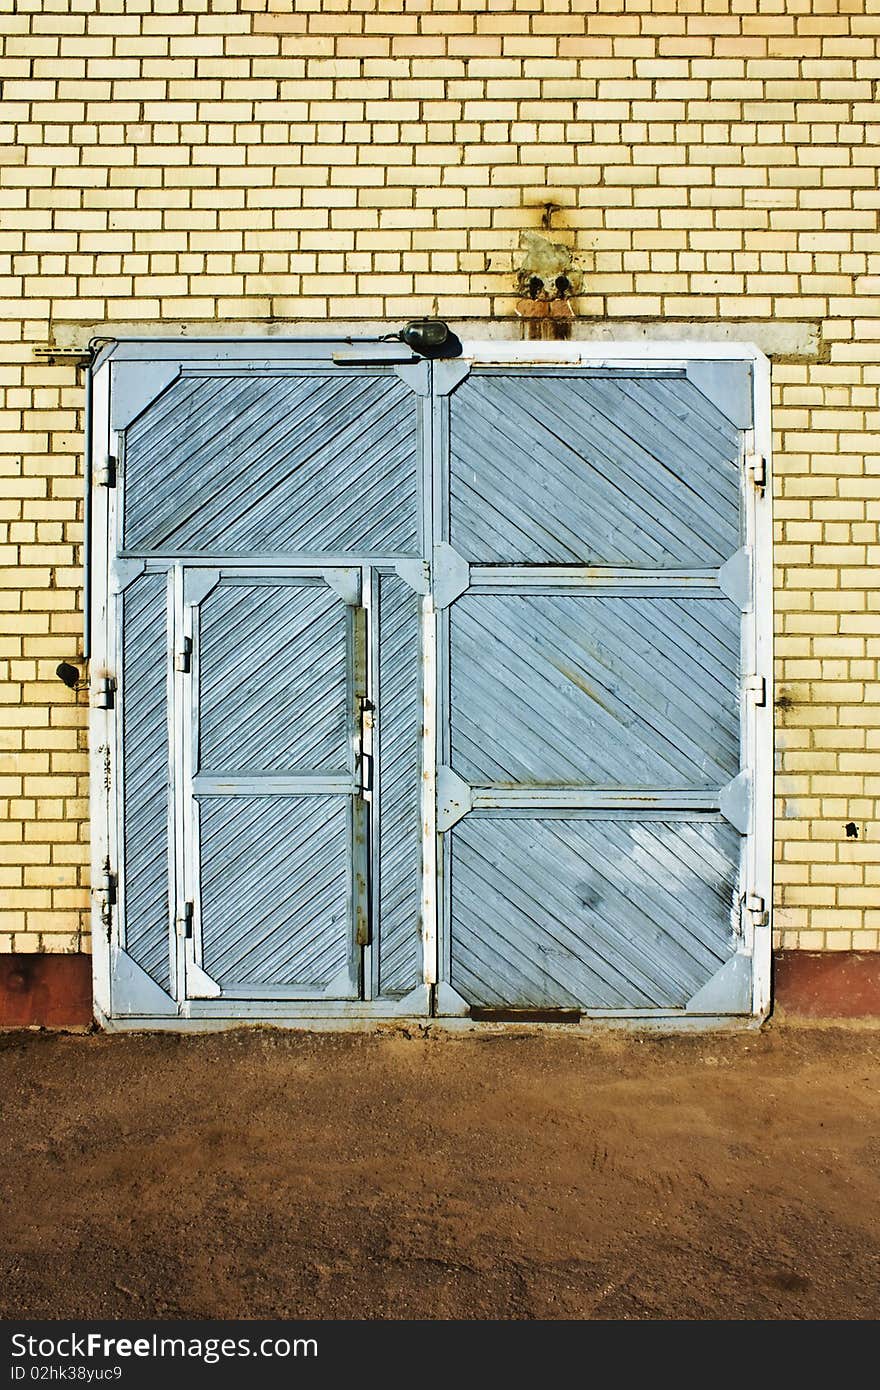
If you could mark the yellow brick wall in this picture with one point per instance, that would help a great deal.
(187, 161)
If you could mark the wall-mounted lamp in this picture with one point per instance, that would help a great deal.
(431, 338)
(71, 677)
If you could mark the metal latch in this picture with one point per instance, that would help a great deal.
(757, 909)
(186, 920)
(105, 692)
(756, 467)
(366, 770)
(365, 758)
(183, 659)
(105, 473)
(756, 687)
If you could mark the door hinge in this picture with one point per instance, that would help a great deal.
(105, 473)
(183, 659)
(186, 920)
(756, 467)
(757, 909)
(105, 692)
(108, 896)
(756, 687)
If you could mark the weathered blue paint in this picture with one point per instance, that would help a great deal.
(275, 892)
(273, 680)
(567, 912)
(274, 695)
(592, 678)
(570, 469)
(146, 752)
(606, 691)
(282, 463)
(399, 727)
(579, 533)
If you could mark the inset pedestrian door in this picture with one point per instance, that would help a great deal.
(275, 890)
(429, 688)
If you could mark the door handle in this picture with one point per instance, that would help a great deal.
(366, 769)
(365, 759)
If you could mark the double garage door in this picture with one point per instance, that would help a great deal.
(425, 687)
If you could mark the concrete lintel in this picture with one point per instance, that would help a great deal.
(798, 339)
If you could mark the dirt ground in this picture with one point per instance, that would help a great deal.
(264, 1174)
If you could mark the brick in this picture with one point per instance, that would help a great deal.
(363, 161)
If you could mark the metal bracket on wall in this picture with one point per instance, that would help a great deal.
(452, 574)
(415, 573)
(454, 798)
(735, 802)
(449, 372)
(135, 386)
(735, 579)
(728, 385)
(50, 352)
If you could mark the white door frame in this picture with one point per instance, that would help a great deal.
(103, 722)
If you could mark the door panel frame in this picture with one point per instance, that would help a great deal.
(757, 618)
(110, 570)
(188, 733)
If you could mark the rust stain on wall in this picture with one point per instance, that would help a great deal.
(547, 280)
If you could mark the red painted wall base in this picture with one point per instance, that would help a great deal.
(55, 991)
(827, 984)
(47, 990)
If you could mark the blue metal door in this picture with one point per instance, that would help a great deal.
(269, 577)
(338, 587)
(277, 900)
(591, 788)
